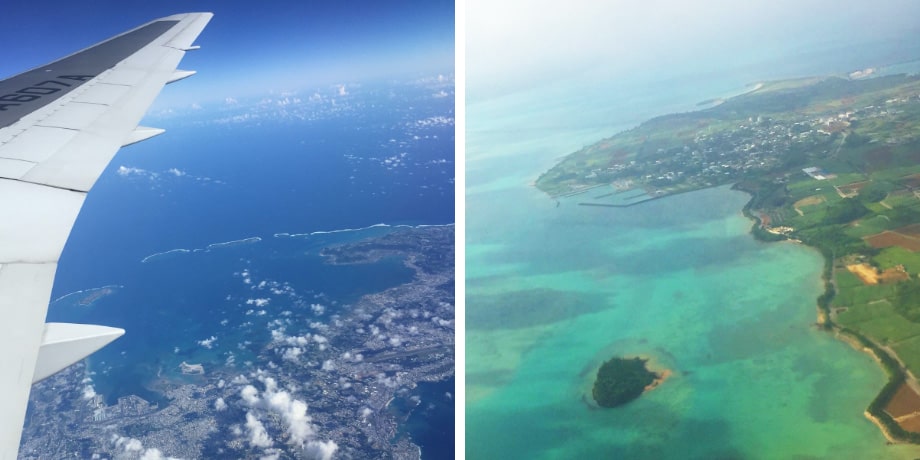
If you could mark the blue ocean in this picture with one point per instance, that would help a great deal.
(240, 197)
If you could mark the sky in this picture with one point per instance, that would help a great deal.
(250, 48)
(514, 44)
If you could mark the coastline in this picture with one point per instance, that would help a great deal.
(716, 101)
(891, 365)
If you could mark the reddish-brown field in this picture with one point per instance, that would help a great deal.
(892, 238)
(904, 402)
(912, 230)
(912, 424)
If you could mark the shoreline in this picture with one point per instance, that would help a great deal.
(892, 366)
(717, 101)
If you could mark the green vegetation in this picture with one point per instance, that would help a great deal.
(893, 256)
(620, 380)
(830, 162)
(844, 211)
(907, 300)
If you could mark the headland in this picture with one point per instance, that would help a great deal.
(831, 162)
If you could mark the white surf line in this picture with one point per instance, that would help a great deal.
(344, 230)
(108, 286)
(250, 240)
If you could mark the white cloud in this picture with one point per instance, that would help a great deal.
(155, 177)
(257, 435)
(220, 404)
(292, 354)
(208, 343)
(126, 171)
(155, 454)
(321, 450)
(292, 411)
(133, 445)
(389, 382)
(258, 302)
(342, 91)
(89, 392)
(250, 395)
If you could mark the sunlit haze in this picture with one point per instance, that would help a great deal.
(517, 44)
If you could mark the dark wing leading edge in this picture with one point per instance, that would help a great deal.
(60, 125)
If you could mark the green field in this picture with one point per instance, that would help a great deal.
(893, 256)
(879, 320)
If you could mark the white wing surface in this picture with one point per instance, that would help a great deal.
(60, 125)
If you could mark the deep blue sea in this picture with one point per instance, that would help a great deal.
(233, 204)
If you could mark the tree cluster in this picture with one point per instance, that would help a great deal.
(620, 380)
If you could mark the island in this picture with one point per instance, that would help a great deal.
(621, 380)
(379, 350)
(830, 162)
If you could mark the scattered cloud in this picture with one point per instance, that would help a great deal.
(133, 446)
(250, 395)
(292, 354)
(158, 178)
(258, 302)
(257, 435)
(321, 450)
(293, 412)
(208, 342)
(154, 454)
(125, 171)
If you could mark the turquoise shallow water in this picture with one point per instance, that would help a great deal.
(678, 280)
(552, 291)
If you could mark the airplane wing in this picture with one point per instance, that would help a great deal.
(60, 125)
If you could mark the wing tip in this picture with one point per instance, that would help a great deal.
(64, 344)
(180, 16)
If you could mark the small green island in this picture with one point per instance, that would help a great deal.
(621, 380)
(830, 162)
